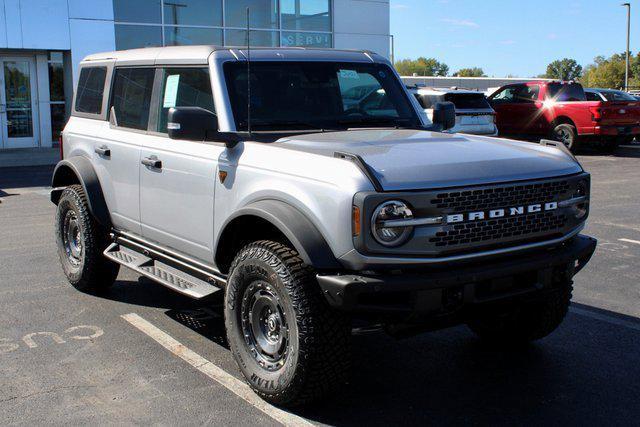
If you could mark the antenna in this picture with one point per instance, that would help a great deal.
(248, 74)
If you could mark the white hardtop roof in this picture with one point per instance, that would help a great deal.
(200, 55)
(441, 90)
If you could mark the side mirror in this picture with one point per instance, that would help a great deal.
(191, 123)
(198, 124)
(444, 115)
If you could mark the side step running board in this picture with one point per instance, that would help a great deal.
(161, 272)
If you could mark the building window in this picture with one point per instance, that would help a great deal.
(179, 36)
(193, 12)
(138, 11)
(134, 36)
(57, 102)
(263, 13)
(258, 38)
(147, 23)
(307, 15)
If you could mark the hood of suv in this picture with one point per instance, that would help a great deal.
(416, 160)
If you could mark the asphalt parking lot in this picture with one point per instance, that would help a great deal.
(67, 357)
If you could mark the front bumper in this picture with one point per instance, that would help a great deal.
(442, 289)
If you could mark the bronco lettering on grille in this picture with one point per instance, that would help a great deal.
(501, 213)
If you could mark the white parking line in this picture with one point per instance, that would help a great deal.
(637, 242)
(605, 318)
(233, 384)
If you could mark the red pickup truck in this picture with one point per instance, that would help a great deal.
(560, 110)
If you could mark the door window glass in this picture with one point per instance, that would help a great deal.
(506, 95)
(566, 92)
(132, 96)
(184, 87)
(527, 94)
(17, 85)
(90, 90)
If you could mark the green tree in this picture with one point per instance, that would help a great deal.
(605, 72)
(564, 69)
(422, 67)
(470, 72)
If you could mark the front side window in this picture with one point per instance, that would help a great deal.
(131, 97)
(184, 87)
(506, 95)
(90, 90)
(304, 95)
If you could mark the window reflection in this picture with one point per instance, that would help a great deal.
(308, 15)
(179, 36)
(193, 12)
(134, 36)
(264, 13)
(258, 38)
(139, 11)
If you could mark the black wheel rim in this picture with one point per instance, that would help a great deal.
(564, 136)
(71, 238)
(264, 325)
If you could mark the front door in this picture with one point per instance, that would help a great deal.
(18, 118)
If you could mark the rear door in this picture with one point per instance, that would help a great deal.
(177, 194)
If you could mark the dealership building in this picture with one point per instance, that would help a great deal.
(42, 42)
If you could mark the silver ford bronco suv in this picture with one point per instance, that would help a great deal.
(265, 178)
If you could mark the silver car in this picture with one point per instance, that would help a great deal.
(260, 182)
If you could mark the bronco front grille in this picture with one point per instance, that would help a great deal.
(498, 197)
(497, 229)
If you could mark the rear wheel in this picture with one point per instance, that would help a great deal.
(81, 241)
(524, 322)
(290, 346)
(566, 134)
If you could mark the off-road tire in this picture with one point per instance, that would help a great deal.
(524, 322)
(90, 271)
(567, 134)
(317, 358)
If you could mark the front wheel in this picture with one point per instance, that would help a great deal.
(526, 321)
(291, 347)
(567, 134)
(81, 241)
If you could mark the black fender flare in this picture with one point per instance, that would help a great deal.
(295, 226)
(87, 177)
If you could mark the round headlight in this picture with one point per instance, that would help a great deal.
(381, 223)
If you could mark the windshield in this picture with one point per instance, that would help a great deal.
(567, 92)
(468, 101)
(318, 95)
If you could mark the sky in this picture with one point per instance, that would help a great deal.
(511, 37)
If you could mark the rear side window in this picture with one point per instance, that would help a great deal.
(184, 87)
(131, 97)
(568, 92)
(90, 90)
(468, 101)
(592, 96)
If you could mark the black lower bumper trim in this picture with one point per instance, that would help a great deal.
(484, 281)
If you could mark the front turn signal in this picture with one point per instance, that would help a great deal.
(355, 219)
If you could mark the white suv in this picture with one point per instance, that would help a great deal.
(305, 202)
(474, 115)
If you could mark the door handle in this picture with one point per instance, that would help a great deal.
(152, 161)
(103, 150)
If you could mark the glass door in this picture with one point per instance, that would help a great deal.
(18, 118)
